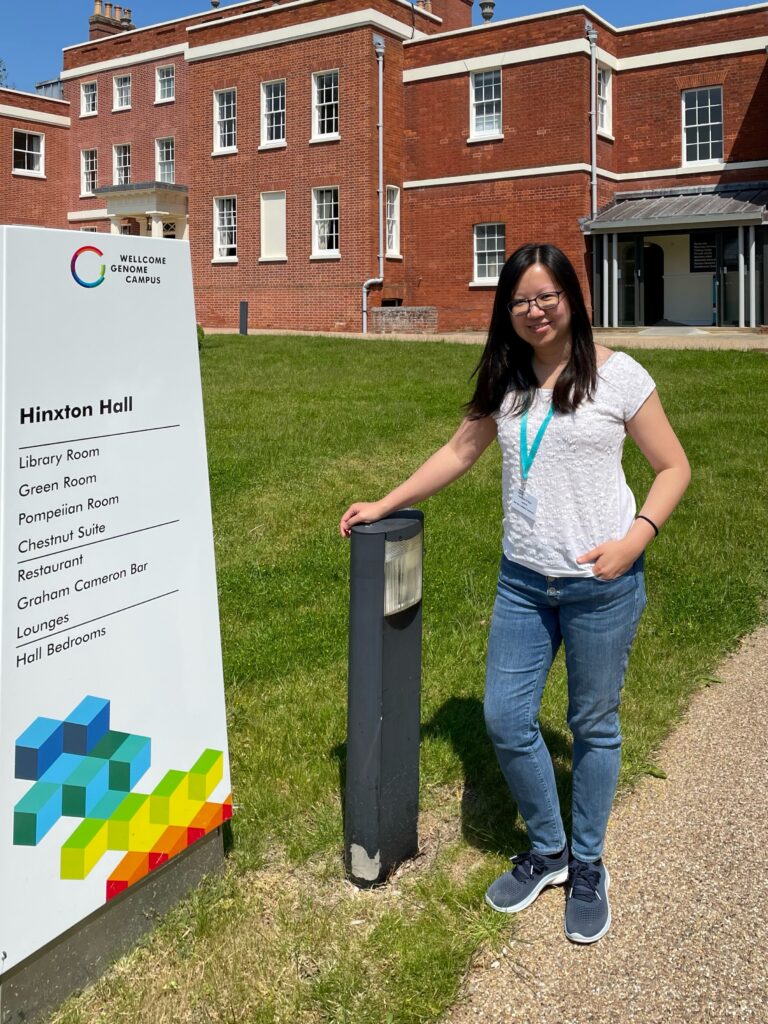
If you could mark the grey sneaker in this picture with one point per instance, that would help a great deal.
(517, 889)
(587, 910)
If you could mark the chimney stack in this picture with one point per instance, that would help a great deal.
(108, 19)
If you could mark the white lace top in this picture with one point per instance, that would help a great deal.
(582, 496)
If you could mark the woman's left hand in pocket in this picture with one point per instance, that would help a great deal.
(611, 559)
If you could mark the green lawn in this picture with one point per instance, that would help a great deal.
(298, 428)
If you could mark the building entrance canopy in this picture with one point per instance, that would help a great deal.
(154, 206)
(693, 255)
(684, 207)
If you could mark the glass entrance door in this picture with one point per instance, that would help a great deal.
(628, 282)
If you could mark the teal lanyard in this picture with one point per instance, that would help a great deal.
(527, 457)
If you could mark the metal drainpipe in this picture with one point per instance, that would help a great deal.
(592, 37)
(379, 46)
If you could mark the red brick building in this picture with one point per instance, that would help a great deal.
(255, 131)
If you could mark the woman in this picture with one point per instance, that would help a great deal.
(572, 565)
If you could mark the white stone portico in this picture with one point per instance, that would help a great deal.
(159, 209)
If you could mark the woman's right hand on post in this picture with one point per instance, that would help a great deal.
(360, 512)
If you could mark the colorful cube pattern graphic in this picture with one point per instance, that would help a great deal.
(80, 768)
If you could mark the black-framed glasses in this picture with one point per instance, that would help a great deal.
(543, 301)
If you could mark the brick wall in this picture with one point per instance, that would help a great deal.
(439, 238)
(544, 108)
(649, 99)
(38, 201)
(139, 126)
(303, 293)
(427, 123)
(403, 320)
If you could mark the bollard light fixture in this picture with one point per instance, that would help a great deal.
(382, 768)
(402, 573)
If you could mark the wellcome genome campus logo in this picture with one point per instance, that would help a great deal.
(73, 267)
(131, 268)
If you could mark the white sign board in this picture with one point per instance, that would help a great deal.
(113, 747)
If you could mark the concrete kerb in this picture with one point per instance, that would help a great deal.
(645, 337)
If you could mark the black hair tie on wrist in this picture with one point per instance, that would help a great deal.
(655, 527)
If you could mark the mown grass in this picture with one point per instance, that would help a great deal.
(297, 428)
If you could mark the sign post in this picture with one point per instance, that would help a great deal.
(113, 745)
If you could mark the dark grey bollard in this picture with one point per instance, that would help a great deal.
(243, 317)
(382, 784)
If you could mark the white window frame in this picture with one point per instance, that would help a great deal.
(392, 214)
(84, 169)
(604, 96)
(117, 95)
(481, 134)
(219, 150)
(116, 165)
(219, 227)
(319, 253)
(25, 172)
(687, 162)
(477, 279)
(317, 135)
(273, 257)
(90, 230)
(266, 142)
(159, 98)
(159, 161)
(84, 112)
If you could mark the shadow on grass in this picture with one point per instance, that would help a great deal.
(489, 819)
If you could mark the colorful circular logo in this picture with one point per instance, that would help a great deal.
(76, 257)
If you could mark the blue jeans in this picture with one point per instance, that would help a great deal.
(597, 621)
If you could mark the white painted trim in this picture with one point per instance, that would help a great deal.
(494, 61)
(595, 17)
(490, 26)
(38, 116)
(124, 61)
(75, 216)
(302, 3)
(726, 49)
(681, 223)
(495, 137)
(36, 95)
(275, 143)
(522, 172)
(568, 47)
(489, 282)
(168, 99)
(475, 136)
(532, 172)
(715, 167)
(367, 18)
(603, 57)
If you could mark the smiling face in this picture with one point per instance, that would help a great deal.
(548, 332)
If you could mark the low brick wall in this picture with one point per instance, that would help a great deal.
(403, 319)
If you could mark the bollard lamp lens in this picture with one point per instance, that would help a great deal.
(402, 574)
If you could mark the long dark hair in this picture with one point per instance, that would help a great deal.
(507, 361)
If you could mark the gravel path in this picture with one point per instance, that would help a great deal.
(689, 894)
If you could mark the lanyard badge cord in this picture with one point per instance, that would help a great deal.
(526, 456)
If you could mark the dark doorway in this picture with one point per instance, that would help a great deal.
(653, 266)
